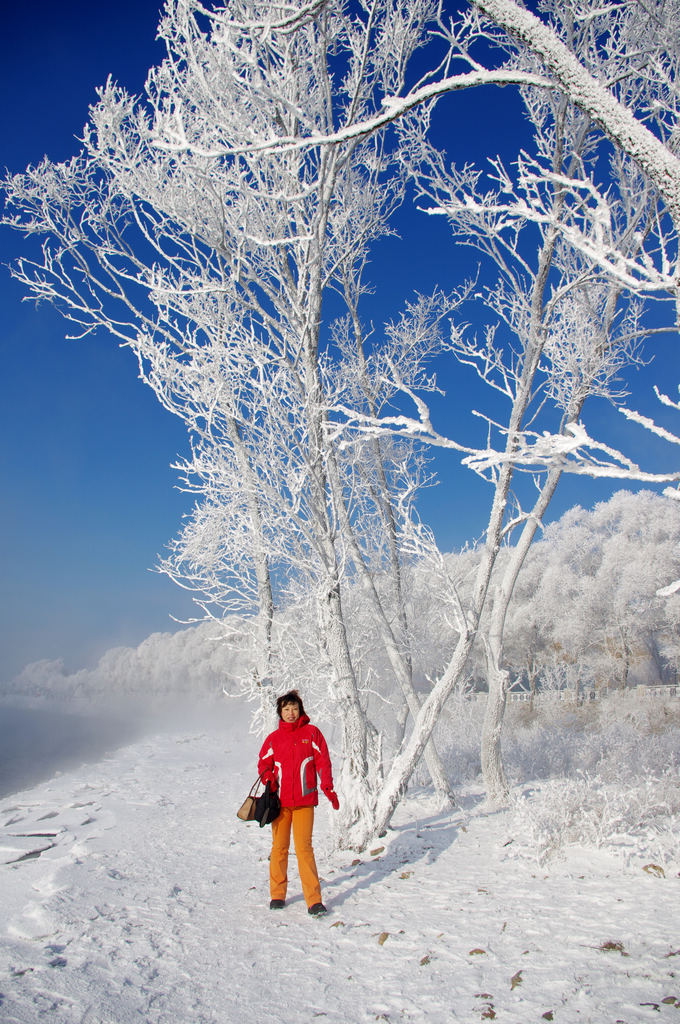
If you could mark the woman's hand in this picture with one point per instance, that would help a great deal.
(333, 797)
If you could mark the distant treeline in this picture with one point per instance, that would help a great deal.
(585, 613)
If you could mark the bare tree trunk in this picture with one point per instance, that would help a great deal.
(400, 731)
(493, 772)
(533, 679)
(359, 773)
(361, 748)
(260, 559)
(498, 677)
(626, 664)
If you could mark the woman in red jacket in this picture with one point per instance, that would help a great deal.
(290, 759)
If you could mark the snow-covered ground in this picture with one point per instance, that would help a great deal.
(129, 891)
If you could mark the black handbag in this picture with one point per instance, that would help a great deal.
(267, 806)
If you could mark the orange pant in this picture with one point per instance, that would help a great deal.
(302, 820)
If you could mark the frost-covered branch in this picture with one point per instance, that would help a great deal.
(593, 97)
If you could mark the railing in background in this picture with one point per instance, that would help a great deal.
(588, 696)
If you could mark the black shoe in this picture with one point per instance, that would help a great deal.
(277, 904)
(317, 910)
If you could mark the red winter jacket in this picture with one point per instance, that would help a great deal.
(292, 756)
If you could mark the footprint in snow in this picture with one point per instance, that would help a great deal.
(31, 854)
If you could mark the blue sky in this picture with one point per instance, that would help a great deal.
(88, 494)
(89, 497)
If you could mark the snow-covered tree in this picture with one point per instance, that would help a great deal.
(560, 327)
(182, 232)
(630, 90)
(205, 225)
(672, 586)
(587, 595)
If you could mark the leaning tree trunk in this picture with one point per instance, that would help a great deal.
(401, 664)
(408, 757)
(397, 643)
(403, 660)
(404, 764)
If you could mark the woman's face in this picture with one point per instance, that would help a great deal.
(290, 712)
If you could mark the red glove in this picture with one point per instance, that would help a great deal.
(333, 797)
(268, 777)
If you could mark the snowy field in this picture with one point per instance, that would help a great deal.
(130, 892)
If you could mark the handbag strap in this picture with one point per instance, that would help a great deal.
(255, 786)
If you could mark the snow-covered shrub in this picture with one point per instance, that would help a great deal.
(624, 732)
(640, 820)
(612, 774)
